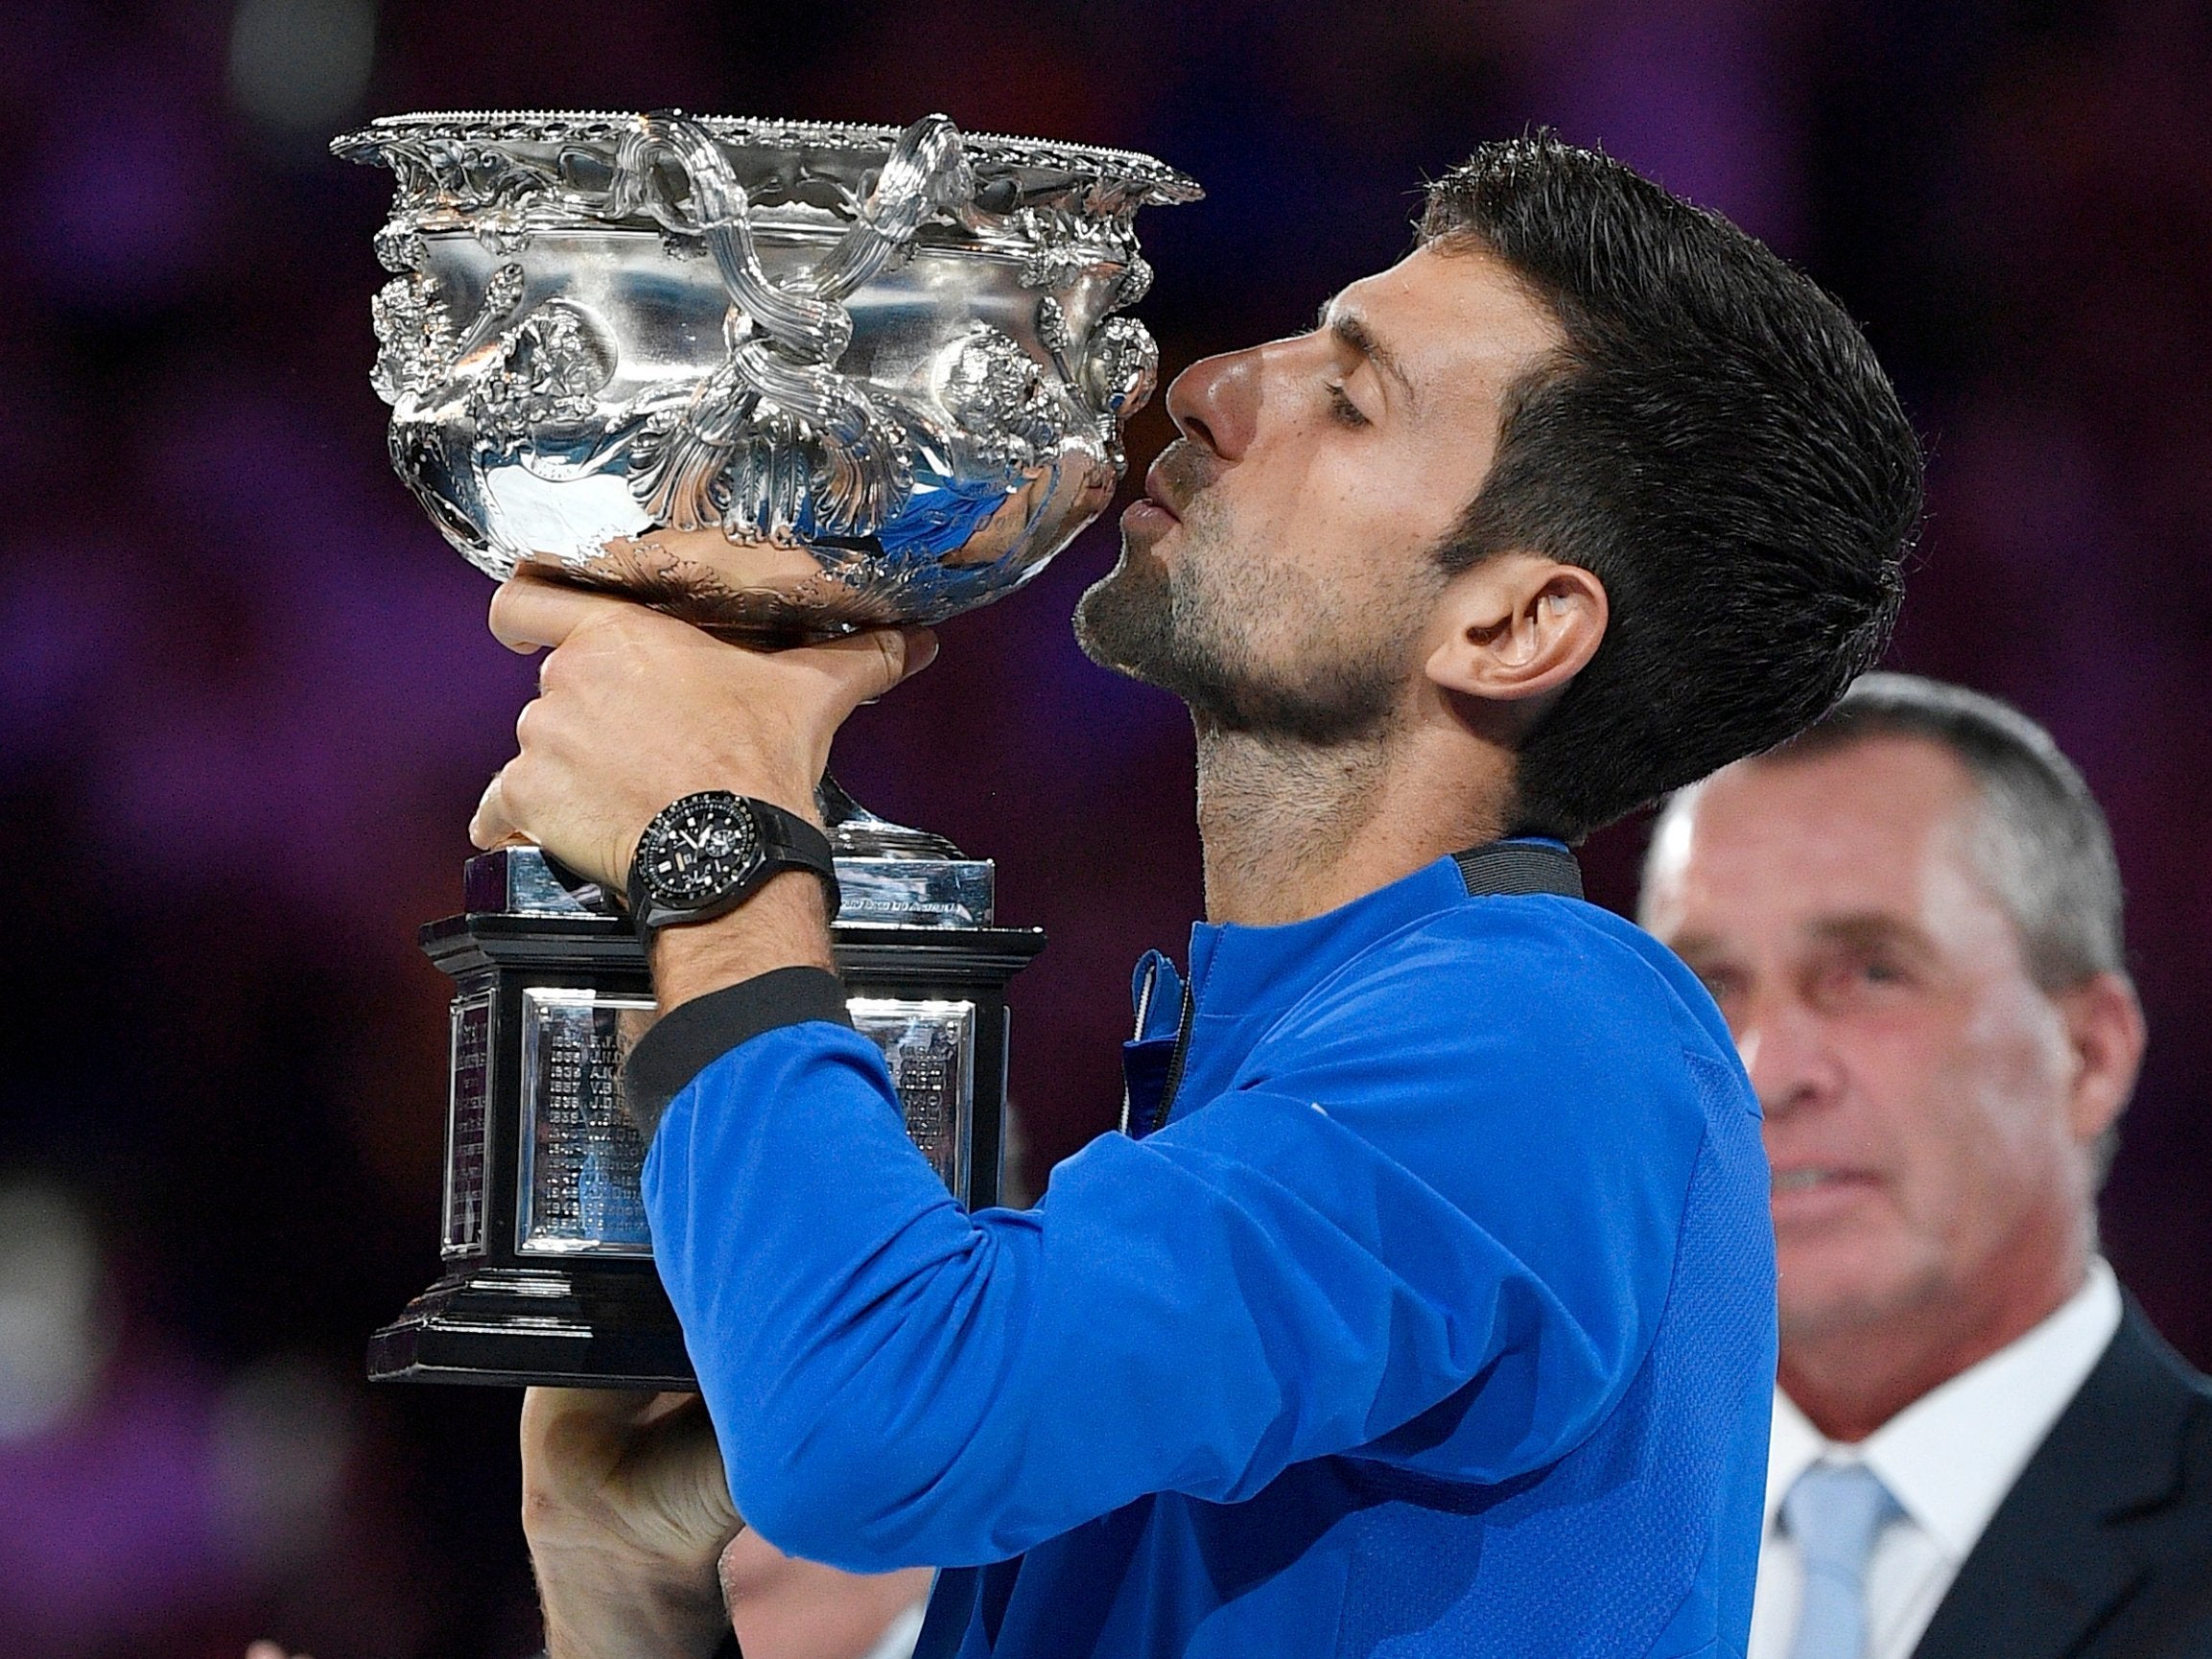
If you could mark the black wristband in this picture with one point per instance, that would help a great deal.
(692, 1036)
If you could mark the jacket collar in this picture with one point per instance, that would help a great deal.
(1280, 963)
(2058, 1558)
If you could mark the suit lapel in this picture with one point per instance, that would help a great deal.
(2054, 1564)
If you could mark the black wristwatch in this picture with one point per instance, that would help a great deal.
(704, 855)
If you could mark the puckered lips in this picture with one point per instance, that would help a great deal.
(1182, 470)
(1151, 511)
(1160, 480)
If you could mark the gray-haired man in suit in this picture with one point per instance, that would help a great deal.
(1911, 917)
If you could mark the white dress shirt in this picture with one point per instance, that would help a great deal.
(1948, 1459)
(897, 1642)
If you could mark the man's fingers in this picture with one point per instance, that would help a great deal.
(491, 826)
(921, 650)
(869, 663)
(531, 612)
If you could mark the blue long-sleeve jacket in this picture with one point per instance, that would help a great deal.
(1436, 1320)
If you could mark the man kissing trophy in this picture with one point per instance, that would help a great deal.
(785, 381)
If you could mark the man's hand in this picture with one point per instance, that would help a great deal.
(626, 1512)
(631, 1525)
(636, 709)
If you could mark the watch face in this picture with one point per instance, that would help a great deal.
(698, 850)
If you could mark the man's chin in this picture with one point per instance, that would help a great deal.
(1830, 1296)
(1121, 620)
(1141, 555)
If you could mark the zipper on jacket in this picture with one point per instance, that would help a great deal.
(1175, 1059)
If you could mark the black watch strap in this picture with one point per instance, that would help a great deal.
(784, 841)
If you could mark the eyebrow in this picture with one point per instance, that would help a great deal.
(1857, 931)
(1868, 928)
(1351, 330)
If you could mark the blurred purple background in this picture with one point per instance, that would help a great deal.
(246, 700)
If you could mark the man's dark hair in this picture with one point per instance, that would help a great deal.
(1715, 442)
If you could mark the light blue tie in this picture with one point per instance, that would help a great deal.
(1835, 1511)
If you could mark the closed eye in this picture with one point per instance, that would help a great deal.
(1343, 410)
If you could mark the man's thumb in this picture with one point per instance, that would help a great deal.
(870, 663)
(921, 651)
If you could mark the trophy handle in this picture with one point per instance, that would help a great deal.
(732, 457)
(855, 833)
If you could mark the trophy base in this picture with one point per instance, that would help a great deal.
(552, 1326)
(548, 1276)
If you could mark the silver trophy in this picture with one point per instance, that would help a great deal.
(784, 380)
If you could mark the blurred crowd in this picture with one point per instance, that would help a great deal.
(246, 700)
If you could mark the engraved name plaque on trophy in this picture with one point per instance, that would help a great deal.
(785, 381)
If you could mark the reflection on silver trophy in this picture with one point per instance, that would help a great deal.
(783, 380)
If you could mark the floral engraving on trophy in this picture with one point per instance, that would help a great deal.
(1121, 371)
(549, 369)
(399, 247)
(996, 394)
(513, 383)
(1135, 284)
(415, 339)
(1055, 334)
(1060, 252)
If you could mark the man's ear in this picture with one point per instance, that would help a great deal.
(2105, 1024)
(1517, 626)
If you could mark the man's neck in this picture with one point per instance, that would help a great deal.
(1291, 831)
(1851, 1379)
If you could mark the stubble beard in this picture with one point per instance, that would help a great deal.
(1196, 628)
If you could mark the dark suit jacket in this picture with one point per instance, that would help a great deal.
(2103, 1549)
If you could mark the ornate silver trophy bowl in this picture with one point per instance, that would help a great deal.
(781, 378)
(784, 380)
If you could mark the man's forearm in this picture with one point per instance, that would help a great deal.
(781, 925)
(626, 1514)
(599, 1606)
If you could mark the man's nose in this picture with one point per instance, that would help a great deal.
(1786, 1051)
(1216, 402)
